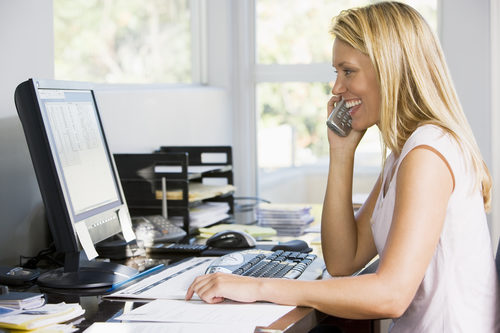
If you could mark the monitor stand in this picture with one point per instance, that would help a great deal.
(83, 274)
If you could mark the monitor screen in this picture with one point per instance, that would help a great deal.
(76, 174)
(77, 143)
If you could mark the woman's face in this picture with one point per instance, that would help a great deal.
(357, 84)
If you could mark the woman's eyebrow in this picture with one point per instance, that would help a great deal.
(344, 63)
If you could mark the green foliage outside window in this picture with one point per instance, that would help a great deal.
(117, 41)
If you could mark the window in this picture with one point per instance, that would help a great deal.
(293, 84)
(124, 41)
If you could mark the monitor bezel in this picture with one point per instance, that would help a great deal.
(59, 213)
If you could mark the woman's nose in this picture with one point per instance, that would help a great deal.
(338, 88)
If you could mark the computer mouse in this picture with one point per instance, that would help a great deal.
(231, 239)
(296, 245)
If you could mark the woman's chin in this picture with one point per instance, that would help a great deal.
(360, 127)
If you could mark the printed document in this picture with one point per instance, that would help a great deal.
(228, 312)
(140, 327)
(171, 283)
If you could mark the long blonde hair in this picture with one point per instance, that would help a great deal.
(416, 87)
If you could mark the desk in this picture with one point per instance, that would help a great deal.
(300, 319)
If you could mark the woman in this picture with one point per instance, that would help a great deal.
(425, 216)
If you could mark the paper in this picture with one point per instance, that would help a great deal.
(287, 219)
(254, 230)
(171, 283)
(258, 314)
(205, 214)
(139, 327)
(42, 316)
(190, 168)
(197, 192)
(85, 240)
(6, 311)
(22, 300)
(313, 229)
(126, 224)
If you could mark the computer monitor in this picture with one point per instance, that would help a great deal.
(77, 177)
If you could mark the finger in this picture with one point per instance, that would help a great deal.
(195, 285)
(207, 291)
(331, 103)
(211, 291)
(189, 294)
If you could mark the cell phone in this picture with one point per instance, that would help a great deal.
(339, 121)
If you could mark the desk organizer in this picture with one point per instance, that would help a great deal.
(194, 174)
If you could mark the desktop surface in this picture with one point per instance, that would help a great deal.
(100, 309)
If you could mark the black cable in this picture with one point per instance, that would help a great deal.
(46, 254)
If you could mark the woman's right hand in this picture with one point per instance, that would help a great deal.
(348, 143)
(216, 287)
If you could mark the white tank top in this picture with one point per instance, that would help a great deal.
(459, 292)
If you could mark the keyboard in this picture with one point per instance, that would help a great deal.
(156, 228)
(272, 264)
(185, 249)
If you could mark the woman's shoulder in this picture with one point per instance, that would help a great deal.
(429, 131)
(437, 138)
(441, 141)
(430, 135)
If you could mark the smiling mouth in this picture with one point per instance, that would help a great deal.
(351, 104)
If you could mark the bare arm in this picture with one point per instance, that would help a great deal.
(424, 185)
(346, 240)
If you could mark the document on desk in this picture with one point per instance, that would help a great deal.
(171, 283)
(140, 327)
(228, 312)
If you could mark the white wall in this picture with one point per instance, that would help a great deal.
(26, 43)
(495, 115)
(465, 37)
(140, 120)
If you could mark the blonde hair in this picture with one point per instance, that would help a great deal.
(416, 87)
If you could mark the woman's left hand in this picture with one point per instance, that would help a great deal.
(214, 288)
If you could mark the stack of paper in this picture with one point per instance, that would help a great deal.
(198, 191)
(21, 300)
(288, 220)
(170, 327)
(44, 316)
(253, 230)
(205, 214)
(199, 312)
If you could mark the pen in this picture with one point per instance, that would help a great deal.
(135, 277)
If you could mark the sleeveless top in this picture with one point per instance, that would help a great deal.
(459, 292)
